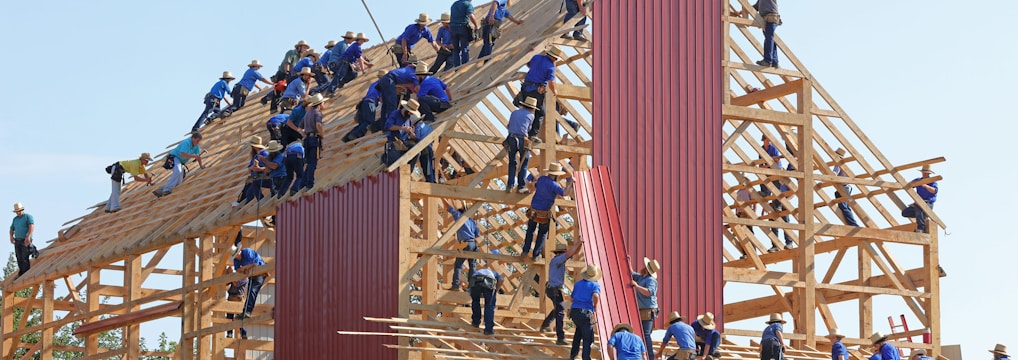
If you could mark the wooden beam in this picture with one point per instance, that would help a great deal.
(759, 96)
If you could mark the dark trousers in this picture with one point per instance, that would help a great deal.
(254, 285)
(253, 189)
(239, 94)
(461, 37)
(476, 293)
(342, 73)
(211, 107)
(431, 105)
(312, 146)
(572, 9)
(366, 120)
(535, 128)
(458, 265)
(648, 327)
(387, 87)
(275, 133)
(913, 211)
(584, 332)
(779, 208)
(557, 314)
(519, 160)
(243, 331)
(427, 160)
(489, 43)
(294, 174)
(21, 252)
(542, 234)
(846, 211)
(441, 59)
(771, 350)
(320, 76)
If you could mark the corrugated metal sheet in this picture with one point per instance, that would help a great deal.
(604, 245)
(657, 111)
(337, 261)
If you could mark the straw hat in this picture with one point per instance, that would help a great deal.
(554, 52)
(305, 71)
(256, 142)
(254, 64)
(18, 207)
(331, 44)
(301, 43)
(591, 273)
(350, 35)
(776, 317)
(674, 315)
(836, 333)
(274, 146)
(423, 19)
(234, 250)
(227, 75)
(622, 326)
(445, 18)
(311, 53)
(530, 102)
(651, 265)
(145, 157)
(422, 69)
(561, 248)
(840, 153)
(360, 36)
(412, 106)
(315, 99)
(877, 337)
(927, 168)
(706, 321)
(918, 352)
(999, 349)
(554, 169)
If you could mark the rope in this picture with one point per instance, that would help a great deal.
(381, 37)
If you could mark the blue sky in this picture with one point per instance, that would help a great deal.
(89, 83)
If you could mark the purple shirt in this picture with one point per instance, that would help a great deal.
(312, 118)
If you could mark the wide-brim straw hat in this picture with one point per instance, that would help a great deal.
(331, 44)
(18, 207)
(311, 53)
(350, 35)
(274, 146)
(674, 315)
(254, 64)
(840, 153)
(145, 157)
(835, 333)
(652, 266)
(315, 99)
(226, 75)
(423, 19)
(305, 71)
(530, 102)
(555, 53)
(776, 317)
(621, 326)
(412, 106)
(445, 18)
(554, 169)
(360, 36)
(255, 141)
(706, 321)
(927, 168)
(560, 248)
(999, 349)
(301, 43)
(422, 70)
(918, 352)
(877, 337)
(591, 273)
(234, 250)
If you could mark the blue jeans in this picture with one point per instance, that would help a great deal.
(558, 313)
(254, 285)
(542, 234)
(312, 145)
(341, 74)
(584, 332)
(176, 177)
(517, 157)
(387, 87)
(441, 59)
(648, 327)
(294, 174)
(770, 50)
(571, 10)
(461, 36)
(488, 41)
(427, 160)
(458, 265)
(846, 210)
(253, 189)
(211, 107)
(366, 110)
(913, 211)
(490, 296)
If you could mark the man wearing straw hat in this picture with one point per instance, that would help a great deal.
(444, 40)
(349, 64)
(586, 295)
(517, 144)
(134, 167)
(413, 34)
(308, 60)
(917, 354)
(684, 337)
(399, 124)
(624, 345)
(1000, 352)
(540, 215)
(772, 345)
(490, 27)
(843, 190)
(707, 337)
(461, 15)
(928, 192)
(884, 348)
(540, 78)
(313, 134)
(290, 59)
(838, 350)
(22, 228)
(219, 90)
(645, 285)
(426, 158)
(244, 260)
(467, 235)
(484, 283)
(332, 61)
(296, 89)
(554, 289)
(247, 83)
(321, 68)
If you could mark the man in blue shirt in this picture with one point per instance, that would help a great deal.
(497, 13)
(707, 337)
(545, 191)
(235, 292)
(772, 345)
(645, 285)
(461, 14)
(351, 62)
(540, 78)
(767, 10)
(296, 90)
(244, 260)
(184, 152)
(574, 7)
(918, 354)
(367, 111)
(308, 61)
(413, 34)
(275, 124)
(22, 228)
(444, 40)
(586, 295)
(624, 345)
(928, 191)
(517, 144)
(400, 129)
(293, 129)
(843, 189)
(247, 83)
(219, 90)
(322, 65)
(290, 59)
(555, 287)
(433, 94)
(293, 160)
(426, 157)
(339, 50)
(779, 208)
(884, 348)
(405, 77)
(484, 284)
(265, 167)
(467, 236)
(277, 173)
(838, 349)
(684, 338)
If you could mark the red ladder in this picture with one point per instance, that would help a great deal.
(903, 326)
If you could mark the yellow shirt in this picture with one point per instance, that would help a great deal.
(133, 167)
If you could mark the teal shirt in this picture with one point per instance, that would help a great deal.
(185, 147)
(20, 225)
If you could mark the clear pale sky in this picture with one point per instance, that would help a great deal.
(89, 83)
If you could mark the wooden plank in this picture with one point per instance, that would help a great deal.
(759, 96)
(763, 116)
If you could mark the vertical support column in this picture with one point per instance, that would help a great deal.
(806, 319)
(188, 319)
(92, 302)
(47, 320)
(8, 320)
(548, 156)
(405, 210)
(204, 310)
(932, 308)
(429, 279)
(132, 291)
(865, 300)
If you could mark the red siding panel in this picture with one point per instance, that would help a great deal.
(337, 261)
(604, 244)
(657, 111)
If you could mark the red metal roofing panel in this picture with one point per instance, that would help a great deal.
(657, 108)
(605, 245)
(337, 261)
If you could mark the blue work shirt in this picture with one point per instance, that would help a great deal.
(20, 225)
(295, 89)
(926, 194)
(278, 120)
(889, 352)
(545, 192)
(773, 152)
(251, 76)
(324, 59)
(373, 93)
(185, 147)
(542, 70)
(247, 257)
(459, 12)
(435, 87)
(305, 62)
(220, 89)
(838, 348)
(771, 332)
(254, 159)
(280, 169)
(413, 34)
(628, 346)
(488, 273)
(404, 75)
(297, 116)
(396, 119)
(875, 357)
(501, 13)
(444, 36)
(422, 129)
(583, 294)
(352, 53)
(649, 282)
(338, 51)
(683, 334)
(557, 271)
(295, 148)
(469, 229)
(520, 122)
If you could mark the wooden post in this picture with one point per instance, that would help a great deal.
(47, 320)
(132, 291)
(189, 296)
(204, 310)
(806, 321)
(429, 281)
(92, 301)
(865, 300)
(932, 272)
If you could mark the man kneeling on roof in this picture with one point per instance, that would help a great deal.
(134, 167)
(624, 345)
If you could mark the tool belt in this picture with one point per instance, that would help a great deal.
(116, 171)
(484, 282)
(539, 216)
(168, 163)
(399, 145)
(240, 91)
(511, 139)
(649, 314)
(445, 51)
(396, 48)
(683, 354)
(496, 30)
(773, 18)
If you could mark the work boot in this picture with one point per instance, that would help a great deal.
(789, 245)
(561, 342)
(523, 191)
(764, 63)
(773, 249)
